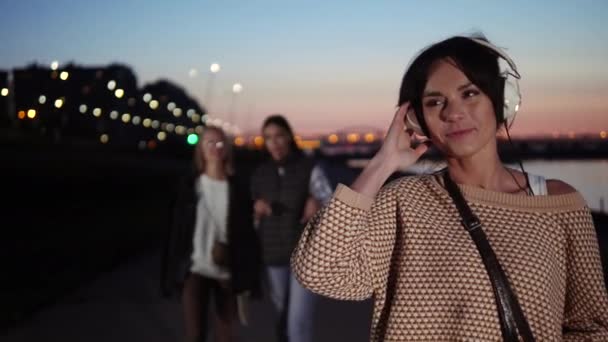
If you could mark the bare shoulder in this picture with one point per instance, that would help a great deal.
(558, 187)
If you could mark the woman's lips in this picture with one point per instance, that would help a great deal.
(460, 133)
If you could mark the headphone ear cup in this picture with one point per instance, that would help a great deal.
(411, 122)
(510, 75)
(511, 98)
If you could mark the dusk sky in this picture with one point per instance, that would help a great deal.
(326, 65)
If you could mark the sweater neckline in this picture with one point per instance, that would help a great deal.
(517, 201)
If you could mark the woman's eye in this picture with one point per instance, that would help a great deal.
(470, 93)
(433, 103)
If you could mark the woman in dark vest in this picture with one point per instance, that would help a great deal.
(287, 189)
(212, 250)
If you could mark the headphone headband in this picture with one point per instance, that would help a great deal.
(500, 54)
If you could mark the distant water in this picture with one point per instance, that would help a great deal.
(589, 177)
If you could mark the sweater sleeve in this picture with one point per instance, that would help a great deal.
(254, 190)
(586, 309)
(175, 257)
(333, 254)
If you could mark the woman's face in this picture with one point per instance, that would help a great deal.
(213, 146)
(277, 141)
(459, 116)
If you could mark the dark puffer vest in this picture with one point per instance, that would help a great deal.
(287, 192)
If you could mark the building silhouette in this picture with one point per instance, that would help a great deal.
(98, 105)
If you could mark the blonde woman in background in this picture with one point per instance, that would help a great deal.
(212, 254)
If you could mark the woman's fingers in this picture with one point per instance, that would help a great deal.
(421, 149)
(262, 208)
(401, 112)
(398, 119)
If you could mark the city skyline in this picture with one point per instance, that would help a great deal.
(327, 67)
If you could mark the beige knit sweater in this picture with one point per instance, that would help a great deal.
(409, 251)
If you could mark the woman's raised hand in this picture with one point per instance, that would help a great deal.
(397, 150)
(396, 154)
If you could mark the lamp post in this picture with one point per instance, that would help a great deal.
(213, 69)
(237, 88)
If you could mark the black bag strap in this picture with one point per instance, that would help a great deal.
(510, 314)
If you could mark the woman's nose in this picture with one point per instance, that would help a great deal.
(453, 111)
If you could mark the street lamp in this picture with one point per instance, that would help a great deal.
(214, 69)
(237, 88)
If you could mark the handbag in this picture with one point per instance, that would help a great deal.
(511, 317)
(220, 253)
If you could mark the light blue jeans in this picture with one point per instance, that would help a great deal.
(294, 303)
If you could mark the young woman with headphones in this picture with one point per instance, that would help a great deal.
(474, 252)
